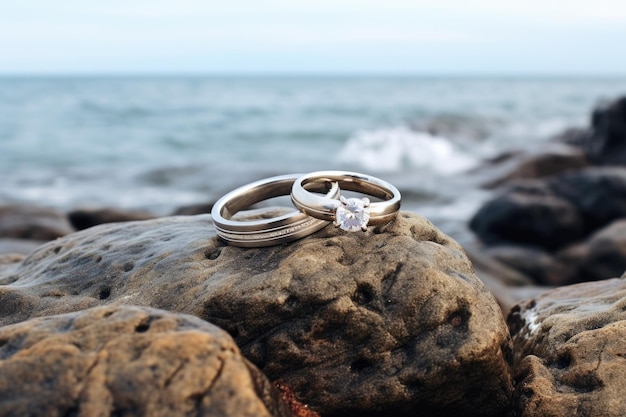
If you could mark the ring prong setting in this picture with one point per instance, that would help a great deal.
(353, 214)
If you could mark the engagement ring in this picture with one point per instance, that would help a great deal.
(272, 231)
(350, 214)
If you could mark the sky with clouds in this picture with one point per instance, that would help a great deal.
(314, 36)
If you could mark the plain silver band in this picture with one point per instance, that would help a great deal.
(324, 208)
(266, 232)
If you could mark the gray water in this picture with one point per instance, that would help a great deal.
(163, 142)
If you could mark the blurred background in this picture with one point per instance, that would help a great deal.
(156, 105)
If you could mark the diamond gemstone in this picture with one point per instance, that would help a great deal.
(352, 215)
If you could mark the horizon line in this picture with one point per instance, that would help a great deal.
(311, 74)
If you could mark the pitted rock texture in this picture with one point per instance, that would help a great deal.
(128, 361)
(385, 322)
(569, 351)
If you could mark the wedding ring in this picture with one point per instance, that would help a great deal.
(350, 214)
(272, 231)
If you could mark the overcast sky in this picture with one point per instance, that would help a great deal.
(585, 37)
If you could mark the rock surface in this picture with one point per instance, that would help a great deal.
(123, 361)
(528, 214)
(569, 351)
(555, 212)
(193, 209)
(557, 197)
(31, 222)
(607, 253)
(508, 285)
(602, 256)
(533, 262)
(387, 322)
(541, 162)
(85, 218)
(599, 194)
(605, 142)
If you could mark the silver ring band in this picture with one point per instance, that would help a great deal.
(349, 214)
(266, 232)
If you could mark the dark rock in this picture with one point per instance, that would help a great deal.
(602, 256)
(555, 212)
(508, 285)
(541, 162)
(599, 194)
(568, 347)
(31, 222)
(607, 253)
(392, 321)
(528, 215)
(487, 264)
(113, 361)
(606, 143)
(571, 258)
(193, 209)
(536, 263)
(85, 218)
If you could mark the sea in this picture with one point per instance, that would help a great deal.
(162, 142)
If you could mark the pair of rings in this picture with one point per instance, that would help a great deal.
(317, 196)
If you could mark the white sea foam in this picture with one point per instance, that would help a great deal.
(532, 321)
(393, 149)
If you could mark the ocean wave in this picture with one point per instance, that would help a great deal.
(399, 148)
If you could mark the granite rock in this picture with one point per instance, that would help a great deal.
(128, 361)
(32, 222)
(569, 352)
(386, 322)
